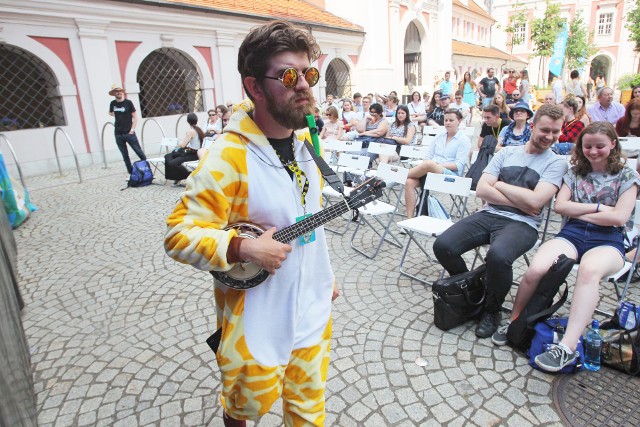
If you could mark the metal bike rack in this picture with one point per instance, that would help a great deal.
(15, 159)
(104, 154)
(150, 119)
(178, 122)
(73, 150)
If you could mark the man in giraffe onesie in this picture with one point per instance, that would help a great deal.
(276, 336)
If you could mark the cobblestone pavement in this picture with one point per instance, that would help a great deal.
(117, 329)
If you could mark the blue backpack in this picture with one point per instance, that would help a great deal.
(141, 174)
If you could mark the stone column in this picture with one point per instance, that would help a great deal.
(94, 44)
(230, 87)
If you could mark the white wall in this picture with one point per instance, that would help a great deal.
(92, 28)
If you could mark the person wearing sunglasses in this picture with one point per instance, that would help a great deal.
(214, 123)
(275, 337)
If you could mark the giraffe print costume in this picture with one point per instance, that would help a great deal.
(276, 336)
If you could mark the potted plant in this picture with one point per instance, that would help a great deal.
(625, 85)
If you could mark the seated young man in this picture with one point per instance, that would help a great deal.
(436, 117)
(516, 184)
(493, 124)
(448, 154)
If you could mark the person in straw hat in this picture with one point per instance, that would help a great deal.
(125, 123)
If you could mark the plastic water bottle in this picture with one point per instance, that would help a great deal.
(592, 347)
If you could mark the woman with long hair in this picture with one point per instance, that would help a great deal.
(629, 124)
(596, 199)
(435, 101)
(417, 109)
(635, 92)
(333, 127)
(348, 115)
(401, 131)
(572, 126)
(500, 99)
(469, 91)
(525, 87)
(582, 114)
(186, 151)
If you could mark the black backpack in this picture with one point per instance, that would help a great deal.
(540, 307)
(487, 149)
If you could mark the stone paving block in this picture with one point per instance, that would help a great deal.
(129, 328)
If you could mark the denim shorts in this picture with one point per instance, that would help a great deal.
(584, 236)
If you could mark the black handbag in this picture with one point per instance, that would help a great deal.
(459, 298)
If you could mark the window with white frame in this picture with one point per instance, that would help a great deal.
(605, 24)
(519, 34)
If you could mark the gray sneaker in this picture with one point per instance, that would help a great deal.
(499, 337)
(556, 358)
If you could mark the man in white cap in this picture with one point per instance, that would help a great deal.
(125, 123)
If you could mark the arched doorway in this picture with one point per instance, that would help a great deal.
(169, 84)
(338, 79)
(412, 57)
(29, 91)
(601, 64)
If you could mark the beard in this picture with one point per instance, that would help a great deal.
(290, 115)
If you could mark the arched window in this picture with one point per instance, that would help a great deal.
(169, 84)
(28, 90)
(412, 58)
(338, 79)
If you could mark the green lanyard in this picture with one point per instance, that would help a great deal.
(299, 174)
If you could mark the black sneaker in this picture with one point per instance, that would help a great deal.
(488, 324)
(556, 358)
(499, 337)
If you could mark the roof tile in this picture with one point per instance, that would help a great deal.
(293, 10)
(470, 49)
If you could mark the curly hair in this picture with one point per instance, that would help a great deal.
(579, 162)
(268, 40)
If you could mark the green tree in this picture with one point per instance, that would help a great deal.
(544, 32)
(579, 45)
(517, 20)
(633, 25)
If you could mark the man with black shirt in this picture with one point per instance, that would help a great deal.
(436, 117)
(488, 88)
(125, 123)
(275, 336)
(493, 124)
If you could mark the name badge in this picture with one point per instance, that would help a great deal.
(307, 237)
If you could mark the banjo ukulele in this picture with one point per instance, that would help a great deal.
(246, 275)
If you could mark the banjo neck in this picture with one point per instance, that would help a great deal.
(298, 229)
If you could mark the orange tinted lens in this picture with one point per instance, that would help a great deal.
(290, 78)
(312, 75)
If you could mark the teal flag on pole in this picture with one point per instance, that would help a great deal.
(559, 48)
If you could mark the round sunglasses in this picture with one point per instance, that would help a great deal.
(289, 77)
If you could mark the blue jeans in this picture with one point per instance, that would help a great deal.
(121, 140)
(509, 239)
(486, 101)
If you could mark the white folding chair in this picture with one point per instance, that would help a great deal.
(469, 131)
(425, 226)
(415, 154)
(433, 130)
(166, 145)
(348, 163)
(390, 174)
(382, 149)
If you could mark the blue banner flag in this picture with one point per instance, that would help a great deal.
(559, 48)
